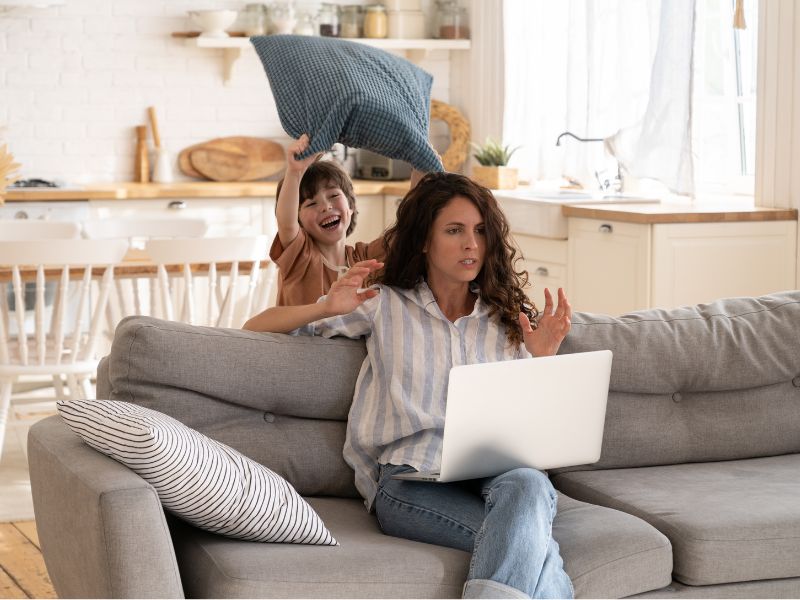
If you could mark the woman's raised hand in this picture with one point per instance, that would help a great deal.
(297, 147)
(346, 294)
(554, 325)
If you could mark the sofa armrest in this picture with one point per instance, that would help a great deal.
(102, 529)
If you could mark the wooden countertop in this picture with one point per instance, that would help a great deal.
(184, 189)
(677, 213)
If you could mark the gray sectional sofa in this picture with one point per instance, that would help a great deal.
(697, 493)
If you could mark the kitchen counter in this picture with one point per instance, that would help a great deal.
(184, 189)
(678, 213)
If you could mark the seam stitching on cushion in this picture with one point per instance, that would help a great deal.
(627, 556)
(662, 526)
(698, 318)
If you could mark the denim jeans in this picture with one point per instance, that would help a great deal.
(505, 522)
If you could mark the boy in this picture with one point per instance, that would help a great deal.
(316, 211)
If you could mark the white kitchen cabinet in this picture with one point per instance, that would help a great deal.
(705, 261)
(225, 216)
(546, 262)
(390, 204)
(369, 225)
(617, 267)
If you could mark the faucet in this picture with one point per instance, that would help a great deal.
(602, 181)
(569, 133)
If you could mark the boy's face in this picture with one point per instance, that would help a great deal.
(326, 216)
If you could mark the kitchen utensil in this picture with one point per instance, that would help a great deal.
(213, 22)
(162, 172)
(235, 158)
(141, 171)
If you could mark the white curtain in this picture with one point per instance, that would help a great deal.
(592, 67)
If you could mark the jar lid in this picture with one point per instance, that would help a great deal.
(375, 7)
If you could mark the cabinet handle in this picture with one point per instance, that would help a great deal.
(606, 228)
(542, 272)
(176, 205)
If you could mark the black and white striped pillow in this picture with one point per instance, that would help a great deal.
(199, 479)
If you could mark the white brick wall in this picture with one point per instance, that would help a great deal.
(75, 80)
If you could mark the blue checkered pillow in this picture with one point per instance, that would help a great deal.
(339, 91)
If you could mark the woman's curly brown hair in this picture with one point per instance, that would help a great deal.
(501, 286)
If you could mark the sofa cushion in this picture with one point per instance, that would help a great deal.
(197, 478)
(340, 91)
(257, 393)
(700, 383)
(727, 521)
(607, 553)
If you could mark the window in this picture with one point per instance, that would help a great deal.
(724, 116)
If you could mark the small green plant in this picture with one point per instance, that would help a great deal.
(492, 153)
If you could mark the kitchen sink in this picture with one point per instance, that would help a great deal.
(538, 212)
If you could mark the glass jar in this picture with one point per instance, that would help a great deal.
(452, 22)
(305, 24)
(281, 18)
(351, 26)
(376, 24)
(328, 18)
(253, 19)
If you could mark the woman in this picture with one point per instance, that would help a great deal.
(448, 295)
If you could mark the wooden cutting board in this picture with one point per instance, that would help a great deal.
(237, 158)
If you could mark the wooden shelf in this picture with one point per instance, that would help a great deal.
(415, 50)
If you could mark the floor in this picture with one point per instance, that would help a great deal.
(22, 569)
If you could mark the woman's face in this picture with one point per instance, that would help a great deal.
(457, 244)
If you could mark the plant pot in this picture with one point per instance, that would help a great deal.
(495, 178)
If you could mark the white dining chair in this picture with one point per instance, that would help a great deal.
(62, 345)
(202, 281)
(97, 229)
(24, 229)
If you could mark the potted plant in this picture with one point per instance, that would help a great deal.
(493, 171)
(7, 171)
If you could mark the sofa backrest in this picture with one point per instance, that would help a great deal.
(718, 381)
(281, 400)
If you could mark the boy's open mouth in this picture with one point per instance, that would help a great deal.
(330, 222)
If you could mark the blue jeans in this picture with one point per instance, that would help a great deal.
(505, 522)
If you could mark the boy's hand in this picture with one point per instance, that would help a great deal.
(344, 296)
(554, 325)
(298, 147)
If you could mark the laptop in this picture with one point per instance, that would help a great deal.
(544, 413)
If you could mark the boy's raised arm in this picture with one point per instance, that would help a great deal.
(288, 206)
(344, 297)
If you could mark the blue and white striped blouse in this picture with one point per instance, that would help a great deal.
(398, 409)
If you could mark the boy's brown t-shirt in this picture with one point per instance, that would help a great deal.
(302, 276)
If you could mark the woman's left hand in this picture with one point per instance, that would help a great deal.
(553, 326)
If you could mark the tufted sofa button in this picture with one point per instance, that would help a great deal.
(796, 382)
(676, 397)
(269, 417)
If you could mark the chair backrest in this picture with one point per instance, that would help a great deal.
(144, 228)
(199, 281)
(72, 264)
(23, 229)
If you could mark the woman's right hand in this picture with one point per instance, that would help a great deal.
(344, 296)
(298, 147)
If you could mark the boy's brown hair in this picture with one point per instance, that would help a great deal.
(320, 174)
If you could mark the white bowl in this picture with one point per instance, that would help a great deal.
(212, 23)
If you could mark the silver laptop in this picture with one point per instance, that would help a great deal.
(544, 413)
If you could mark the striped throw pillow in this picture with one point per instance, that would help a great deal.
(204, 482)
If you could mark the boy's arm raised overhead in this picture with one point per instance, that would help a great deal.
(288, 206)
